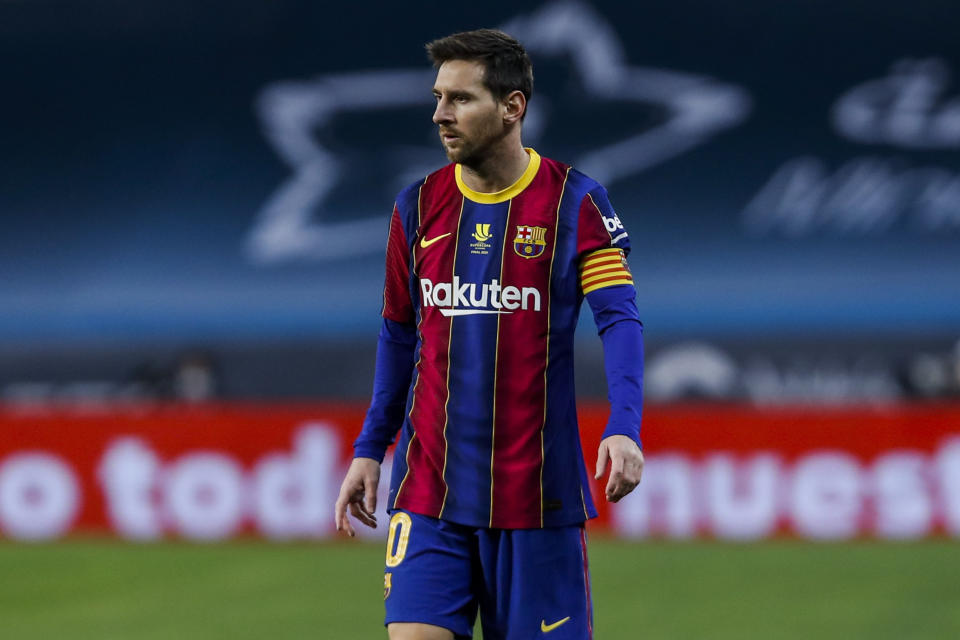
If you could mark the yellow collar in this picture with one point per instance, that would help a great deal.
(504, 194)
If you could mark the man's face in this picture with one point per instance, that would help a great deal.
(469, 118)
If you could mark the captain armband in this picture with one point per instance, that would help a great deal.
(604, 268)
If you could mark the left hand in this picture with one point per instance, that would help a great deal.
(626, 465)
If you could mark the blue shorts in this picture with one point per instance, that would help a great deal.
(527, 583)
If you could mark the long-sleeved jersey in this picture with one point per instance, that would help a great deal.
(493, 284)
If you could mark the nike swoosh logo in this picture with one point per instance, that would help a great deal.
(426, 243)
(547, 628)
(470, 312)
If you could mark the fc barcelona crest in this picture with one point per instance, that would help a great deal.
(530, 241)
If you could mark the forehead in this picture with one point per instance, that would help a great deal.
(460, 75)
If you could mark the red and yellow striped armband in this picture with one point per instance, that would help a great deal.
(604, 268)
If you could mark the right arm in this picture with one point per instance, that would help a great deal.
(394, 369)
(391, 381)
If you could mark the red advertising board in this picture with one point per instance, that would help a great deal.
(217, 471)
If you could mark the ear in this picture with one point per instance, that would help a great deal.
(514, 106)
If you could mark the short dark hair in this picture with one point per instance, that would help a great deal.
(506, 63)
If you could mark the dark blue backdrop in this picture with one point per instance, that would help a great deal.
(226, 171)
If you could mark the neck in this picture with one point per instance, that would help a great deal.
(498, 170)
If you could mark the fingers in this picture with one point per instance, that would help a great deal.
(618, 487)
(620, 482)
(626, 468)
(358, 494)
(602, 457)
(340, 515)
(355, 503)
(617, 481)
(623, 482)
(358, 511)
(370, 499)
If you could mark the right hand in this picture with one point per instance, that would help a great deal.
(359, 492)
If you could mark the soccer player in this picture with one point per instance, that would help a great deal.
(488, 261)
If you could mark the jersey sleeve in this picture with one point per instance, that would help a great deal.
(395, 348)
(397, 305)
(623, 365)
(396, 345)
(607, 284)
(602, 244)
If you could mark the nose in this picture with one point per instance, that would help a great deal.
(442, 114)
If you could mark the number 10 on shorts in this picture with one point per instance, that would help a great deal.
(399, 536)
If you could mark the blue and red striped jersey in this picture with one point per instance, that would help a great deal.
(493, 283)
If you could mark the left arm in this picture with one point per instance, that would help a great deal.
(615, 313)
(606, 282)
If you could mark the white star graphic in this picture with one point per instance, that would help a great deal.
(297, 222)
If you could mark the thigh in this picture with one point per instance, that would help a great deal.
(536, 584)
(428, 571)
(417, 631)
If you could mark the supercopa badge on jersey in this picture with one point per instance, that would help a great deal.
(530, 241)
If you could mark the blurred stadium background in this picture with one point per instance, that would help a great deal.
(194, 201)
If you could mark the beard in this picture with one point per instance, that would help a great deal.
(473, 150)
(465, 152)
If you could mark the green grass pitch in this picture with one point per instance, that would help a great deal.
(84, 589)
